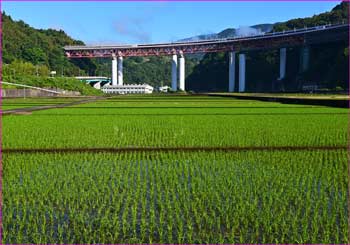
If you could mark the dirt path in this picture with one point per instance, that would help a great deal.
(28, 110)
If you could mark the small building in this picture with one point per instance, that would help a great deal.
(164, 89)
(127, 89)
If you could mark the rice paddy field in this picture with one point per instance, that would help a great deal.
(176, 169)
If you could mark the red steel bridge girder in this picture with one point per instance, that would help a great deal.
(187, 49)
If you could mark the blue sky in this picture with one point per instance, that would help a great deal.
(142, 22)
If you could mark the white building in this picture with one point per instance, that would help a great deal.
(127, 89)
(164, 89)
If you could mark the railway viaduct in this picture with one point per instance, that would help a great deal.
(279, 40)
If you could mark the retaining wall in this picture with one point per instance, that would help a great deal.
(14, 93)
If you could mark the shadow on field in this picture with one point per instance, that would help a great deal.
(192, 107)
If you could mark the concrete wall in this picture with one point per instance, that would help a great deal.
(13, 93)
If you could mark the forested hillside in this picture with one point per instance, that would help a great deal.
(40, 47)
(339, 14)
(328, 67)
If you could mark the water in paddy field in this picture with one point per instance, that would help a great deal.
(177, 170)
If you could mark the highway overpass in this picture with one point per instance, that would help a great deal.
(279, 40)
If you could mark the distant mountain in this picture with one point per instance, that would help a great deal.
(264, 27)
(234, 32)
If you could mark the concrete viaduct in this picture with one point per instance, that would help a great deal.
(278, 40)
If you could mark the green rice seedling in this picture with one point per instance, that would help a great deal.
(178, 196)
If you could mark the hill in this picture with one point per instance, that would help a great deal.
(40, 47)
(338, 14)
(233, 32)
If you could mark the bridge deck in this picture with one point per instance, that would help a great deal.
(326, 33)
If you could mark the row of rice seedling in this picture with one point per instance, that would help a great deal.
(207, 102)
(241, 197)
(42, 130)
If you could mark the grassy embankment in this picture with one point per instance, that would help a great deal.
(65, 83)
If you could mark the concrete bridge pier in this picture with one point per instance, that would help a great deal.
(182, 73)
(174, 73)
(120, 70)
(283, 62)
(241, 73)
(114, 71)
(231, 71)
(305, 58)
